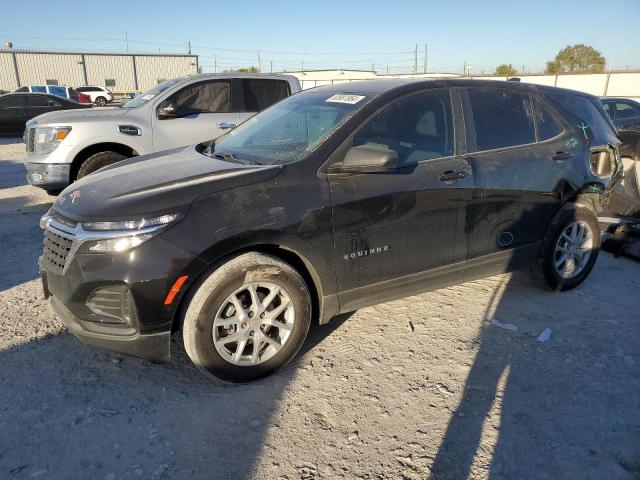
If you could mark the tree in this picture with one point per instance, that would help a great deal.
(248, 70)
(506, 70)
(577, 58)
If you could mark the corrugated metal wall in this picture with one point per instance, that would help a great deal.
(103, 67)
(154, 68)
(35, 68)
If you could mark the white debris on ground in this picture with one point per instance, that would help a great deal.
(419, 387)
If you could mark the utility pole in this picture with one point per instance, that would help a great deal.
(259, 66)
(415, 60)
(464, 69)
(425, 58)
(387, 69)
(215, 64)
(189, 47)
(271, 66)
(126, 41)
(302, 61)
(522, 68)
(373, 67)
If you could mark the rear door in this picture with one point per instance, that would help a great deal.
(12, 114)
(517, 171)
(203, 111)
(260, 93)
(404, 231)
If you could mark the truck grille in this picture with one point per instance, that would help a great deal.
(56, 251)
(29, 140)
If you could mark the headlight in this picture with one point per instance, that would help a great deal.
(118, 244)
(121, 236)
(128, 225)
(48, 138)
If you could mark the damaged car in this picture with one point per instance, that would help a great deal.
(333, 199)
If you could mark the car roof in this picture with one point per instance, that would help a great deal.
(379, 86)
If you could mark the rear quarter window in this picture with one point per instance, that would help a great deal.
(584, 109)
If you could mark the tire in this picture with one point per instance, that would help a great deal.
(545, 271)
(97, 161)
(53, 193)
(100, 101)
(204, 337)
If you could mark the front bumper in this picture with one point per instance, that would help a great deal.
(150, 346)
(50, 176)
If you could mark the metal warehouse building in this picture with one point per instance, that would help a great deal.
(120, 72)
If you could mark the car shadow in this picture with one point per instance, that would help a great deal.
(554, 408)
(88, 413)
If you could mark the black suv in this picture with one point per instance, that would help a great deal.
(333, 199)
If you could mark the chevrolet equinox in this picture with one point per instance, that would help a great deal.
(331, 200)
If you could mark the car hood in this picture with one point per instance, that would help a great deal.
(155, 184)
(80, 114)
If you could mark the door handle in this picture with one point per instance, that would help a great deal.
(226, 125)
(560, 156)
(451, 176)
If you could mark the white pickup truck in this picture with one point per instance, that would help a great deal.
(66, 145)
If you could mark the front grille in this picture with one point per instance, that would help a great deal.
(56, 251)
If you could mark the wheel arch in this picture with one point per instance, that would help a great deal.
(320, 311)
(90, 150)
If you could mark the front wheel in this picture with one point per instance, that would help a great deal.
(247, 319)
(101, 101)
(570, 248)
(97, 161)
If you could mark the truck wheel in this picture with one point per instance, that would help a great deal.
(97, 161)
(247, 319)
(570, 248)
(101, 101)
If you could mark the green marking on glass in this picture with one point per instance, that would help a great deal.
(583, 126)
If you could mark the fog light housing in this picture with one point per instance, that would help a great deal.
(110, 304)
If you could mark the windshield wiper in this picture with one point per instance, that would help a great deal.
(230, 157)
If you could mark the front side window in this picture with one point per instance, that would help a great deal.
(262, 93)
(203, 97)
(547, 125)
(501, 119)
(419, 127)
(292, 129)
(624, 110)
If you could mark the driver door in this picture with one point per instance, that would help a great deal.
(198, 112)
(402, 232)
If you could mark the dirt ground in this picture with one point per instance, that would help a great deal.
(424, 387)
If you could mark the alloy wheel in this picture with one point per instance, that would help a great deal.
(253, 323)
(573, 249)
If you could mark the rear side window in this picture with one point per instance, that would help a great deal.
(262, 93)
(548, 127)
(608, 107)
(584, 110)
(502, 119)
(41, 101)
(419, 127)
(624, 110)
(203, 97)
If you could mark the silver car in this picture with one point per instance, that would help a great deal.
(66, 145)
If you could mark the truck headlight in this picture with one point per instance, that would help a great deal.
(121, 236)
(48, 138)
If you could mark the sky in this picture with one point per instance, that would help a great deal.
(337, 34)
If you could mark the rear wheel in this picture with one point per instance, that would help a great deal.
(247, 319)
(97, 161)
(570, 248)
(101, 101)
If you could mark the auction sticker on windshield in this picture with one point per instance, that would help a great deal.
(344, 98)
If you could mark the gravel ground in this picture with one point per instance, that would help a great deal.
(424, 387)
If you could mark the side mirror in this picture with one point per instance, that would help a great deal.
(367, 159)
(166, 110)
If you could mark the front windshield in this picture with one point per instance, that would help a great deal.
(143, 98)
(291, 129)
